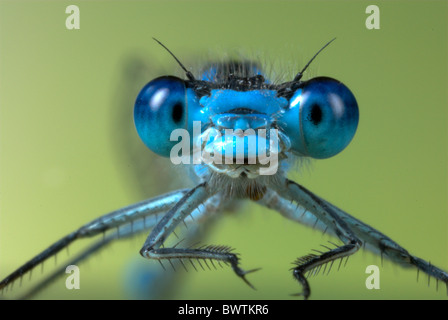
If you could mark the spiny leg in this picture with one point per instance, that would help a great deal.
(150, 281)
(372, 239)
(379, 243)
(98, 245)
(145, 210)
(151, 248)
(127, 231)
(294, 192)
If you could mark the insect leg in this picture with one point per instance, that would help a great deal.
(380, 244)
(97, 246)
(294, 192)
(148, 208)
(151, 248)
(372, 239)
(161, 281)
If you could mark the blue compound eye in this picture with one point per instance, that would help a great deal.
(159, 109)
(322, 118)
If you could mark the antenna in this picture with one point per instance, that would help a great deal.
(189, 74)
(300, 74)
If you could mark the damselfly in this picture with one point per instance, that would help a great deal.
(239, 133)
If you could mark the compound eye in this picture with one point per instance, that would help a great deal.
(328, 117)
(159, 109)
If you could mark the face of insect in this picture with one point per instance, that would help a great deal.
(238, 124)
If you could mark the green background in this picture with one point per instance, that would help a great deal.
(68, 152)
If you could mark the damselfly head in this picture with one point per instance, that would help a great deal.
(235, 121)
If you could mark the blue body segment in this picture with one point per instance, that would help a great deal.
(241, 121)
(238, 149)
(243, 111)
(258, 101)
